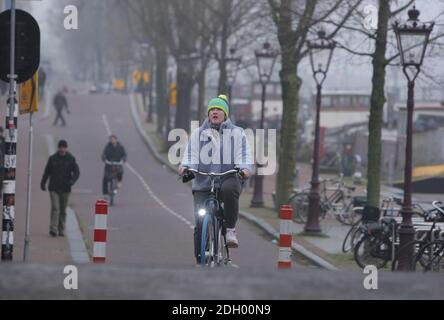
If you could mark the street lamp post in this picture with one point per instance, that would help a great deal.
(232, 63)
(412, 37)
(321, 51)
(265, 59)
(144, 49)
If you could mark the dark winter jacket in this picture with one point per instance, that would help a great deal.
(60, 101)
(114, 154)
(62, 172)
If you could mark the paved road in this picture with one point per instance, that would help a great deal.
(152, 219)
(110, 282)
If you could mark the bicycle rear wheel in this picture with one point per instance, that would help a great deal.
(371, 250)
(207, 242)
(417, 245)
(430, 257)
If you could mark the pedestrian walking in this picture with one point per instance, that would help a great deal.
(60, 102)
(62, 171)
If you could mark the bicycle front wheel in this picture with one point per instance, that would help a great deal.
(222, 255)
(207, 242)
(111, 192)
(352, 237)
(299, 203)
(347, 215)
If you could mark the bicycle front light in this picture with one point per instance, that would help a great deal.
(201, 212)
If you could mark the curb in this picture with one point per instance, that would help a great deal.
(266, 227)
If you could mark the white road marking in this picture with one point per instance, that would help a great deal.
(146, 186)
(106, 123)
(156, 198)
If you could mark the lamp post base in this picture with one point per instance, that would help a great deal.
(258, 200)
(312, 226)
(406, 255)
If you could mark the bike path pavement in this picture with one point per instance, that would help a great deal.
(268, 227)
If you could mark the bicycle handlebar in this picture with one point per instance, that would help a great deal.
(436, 205)
(214, 174)
(114, 163)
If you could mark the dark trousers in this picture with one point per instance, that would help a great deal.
(59, 116)
(108, 175)
(230, 190)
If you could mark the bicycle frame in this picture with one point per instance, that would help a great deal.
(213, 213)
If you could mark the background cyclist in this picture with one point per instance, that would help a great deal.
(113, 152)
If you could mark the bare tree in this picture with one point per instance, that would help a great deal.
(294, 21)
(382, 52)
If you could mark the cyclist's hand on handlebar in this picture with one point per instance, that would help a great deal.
(185, 174)
(182, 170)
(244, 174)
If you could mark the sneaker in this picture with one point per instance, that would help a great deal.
(53, 234)
(231, 238)
(61, 234)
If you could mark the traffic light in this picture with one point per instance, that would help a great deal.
(27, 45)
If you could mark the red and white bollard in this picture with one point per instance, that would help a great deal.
(99, 252)
(285, 237)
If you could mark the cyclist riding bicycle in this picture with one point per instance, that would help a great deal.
(218, 146)
(113, 152)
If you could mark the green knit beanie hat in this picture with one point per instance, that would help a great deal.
(221, 102)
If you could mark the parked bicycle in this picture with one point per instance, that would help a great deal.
(429, 255)
(212, 250)
(379, 243)
(336, 200)
(390, 207)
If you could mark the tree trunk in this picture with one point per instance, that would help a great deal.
(201, 110)
(184, 88)
(377, 101)
(161, 86)
(290, 83)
